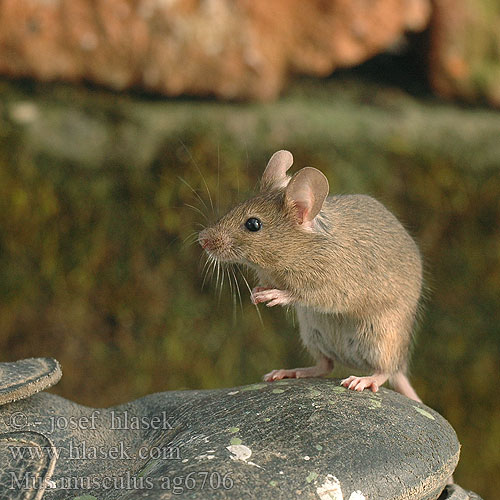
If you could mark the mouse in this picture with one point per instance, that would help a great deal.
(344, 262)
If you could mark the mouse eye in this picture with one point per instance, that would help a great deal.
(253, 224)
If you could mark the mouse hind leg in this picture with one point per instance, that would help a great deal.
(312, 339)
(381, 344)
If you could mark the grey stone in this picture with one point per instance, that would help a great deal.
(24, 378)
(308, 438)
(455, 492)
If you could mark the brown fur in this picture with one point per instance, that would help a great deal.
(354, 273)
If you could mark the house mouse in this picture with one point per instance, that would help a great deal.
(345, 263)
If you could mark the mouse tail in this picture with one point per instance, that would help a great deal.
(402, 385)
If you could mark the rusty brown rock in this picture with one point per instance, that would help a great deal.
(465, 50)
(227, 48)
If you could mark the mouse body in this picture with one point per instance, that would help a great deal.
(344, 262)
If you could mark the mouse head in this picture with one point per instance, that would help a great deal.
(268, 228)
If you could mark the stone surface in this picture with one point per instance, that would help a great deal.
(464, 59)
(307, 438)
(227, 48)
(37, 464)
(24, 378)
(455, 492)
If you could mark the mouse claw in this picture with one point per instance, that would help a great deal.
(256, 290)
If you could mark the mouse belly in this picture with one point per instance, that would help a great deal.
(335, 336)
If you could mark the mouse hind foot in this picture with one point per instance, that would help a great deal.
(372, 382)
(399, 382)
(322, 368)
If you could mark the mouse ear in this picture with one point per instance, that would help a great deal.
(274, 175)
(307, 191)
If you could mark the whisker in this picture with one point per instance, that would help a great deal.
(201, 174)
(191, 234)
(189, 239)
(208, 269)
(217, 265)
(194, 191)
(229, 279)
(238, 180)
(214, 265)
(218, 179)
(230, 275)
(247, 160)
(204, 272)
(196, 209)
(212, 269)
(237, 287)
(221, 285)
(250, 290)
(187, 244)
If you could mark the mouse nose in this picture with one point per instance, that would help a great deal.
(204, 240)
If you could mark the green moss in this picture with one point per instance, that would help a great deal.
(311, 477)
(96, 267)
(424, 413)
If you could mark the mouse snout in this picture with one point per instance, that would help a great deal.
(215, 242)
(204, 240)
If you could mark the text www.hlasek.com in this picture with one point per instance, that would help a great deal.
(83, 451)
(196, 480)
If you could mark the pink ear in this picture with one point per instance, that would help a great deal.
(303, 205)
(274, 175)
(307, 190)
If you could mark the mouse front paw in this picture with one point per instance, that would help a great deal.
(272, 296)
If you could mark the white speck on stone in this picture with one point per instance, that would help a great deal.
(281, 472)
(357, 495)
(242, 453)
(232, 393)
(184, 460)
(307, 457)
(210, 451)
(330, 489)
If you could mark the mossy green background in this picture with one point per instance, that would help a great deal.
(97, 269)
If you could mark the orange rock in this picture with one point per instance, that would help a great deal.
(464, 58)
(228, 48)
